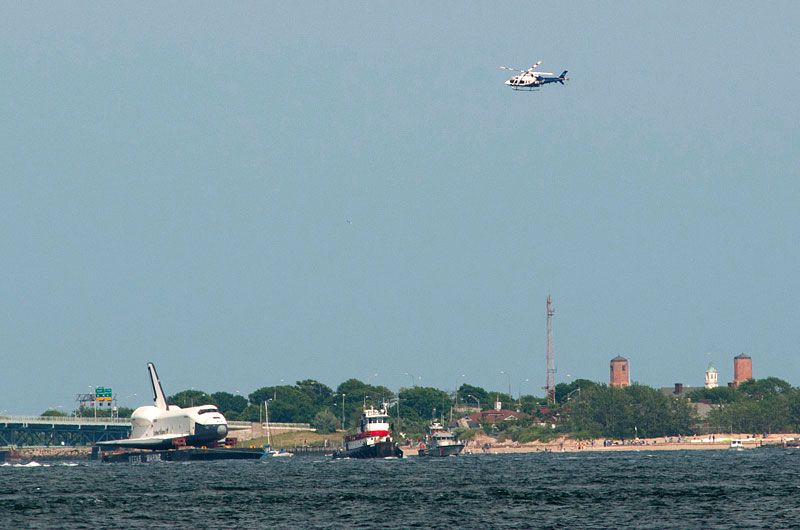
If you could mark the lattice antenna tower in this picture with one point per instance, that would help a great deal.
(551, 369)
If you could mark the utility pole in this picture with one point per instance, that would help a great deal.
(343, 427)
(551, 370)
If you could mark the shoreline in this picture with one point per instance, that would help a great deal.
(483, 444)
(569, 445)
(45, 454)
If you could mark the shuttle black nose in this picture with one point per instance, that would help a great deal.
(210, 432)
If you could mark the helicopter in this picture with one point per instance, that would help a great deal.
(530, 80)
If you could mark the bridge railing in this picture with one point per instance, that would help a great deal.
(71, 420)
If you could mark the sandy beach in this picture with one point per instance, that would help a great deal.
(489, 445)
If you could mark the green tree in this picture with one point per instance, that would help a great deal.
(655, 414)
(602, 411)
(625, 412)
(54, 412)
(325, 421)
(190, 398)
(718, 395)
(250, 413)
(229, 404)
(318, 392)
(567, 391)
(531, 405)
(765, 414)
(764, 387)
(465, 434)
(89, 412)
(468, 394)
(287, 404)
(427, 402)
(360, 391)
(793, 402)
(768, 405)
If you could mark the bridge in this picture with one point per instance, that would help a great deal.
(17, 431)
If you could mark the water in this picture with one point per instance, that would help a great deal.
(637, 489)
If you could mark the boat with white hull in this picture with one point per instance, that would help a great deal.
(268, 450)
(440, 442)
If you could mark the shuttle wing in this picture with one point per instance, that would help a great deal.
(150, 442)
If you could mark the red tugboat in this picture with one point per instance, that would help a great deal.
(373, 438)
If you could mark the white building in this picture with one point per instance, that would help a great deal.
(711, 377)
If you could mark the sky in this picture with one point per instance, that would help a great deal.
(254, 194)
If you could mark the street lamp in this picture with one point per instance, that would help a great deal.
(509, 382)
(569, 394)
(94, 401)
(478, 403)
(519, 393)
(343, 395)
(398, 411)
(459, 386)
(412, 379)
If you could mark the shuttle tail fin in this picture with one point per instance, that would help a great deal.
(159, 400)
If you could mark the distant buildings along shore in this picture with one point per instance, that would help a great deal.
(742, 371)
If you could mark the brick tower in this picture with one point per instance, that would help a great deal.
(742, 369)
(619, 372)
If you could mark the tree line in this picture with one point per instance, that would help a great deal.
(582, 408)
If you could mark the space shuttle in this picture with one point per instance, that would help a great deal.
(160, 426)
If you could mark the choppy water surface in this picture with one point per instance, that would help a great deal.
(680, 489)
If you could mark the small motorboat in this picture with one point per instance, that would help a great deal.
(737, 445)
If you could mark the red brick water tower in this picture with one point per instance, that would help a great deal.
(619, 372)
(742, 369)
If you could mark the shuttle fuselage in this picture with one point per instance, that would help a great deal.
(159, 426)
